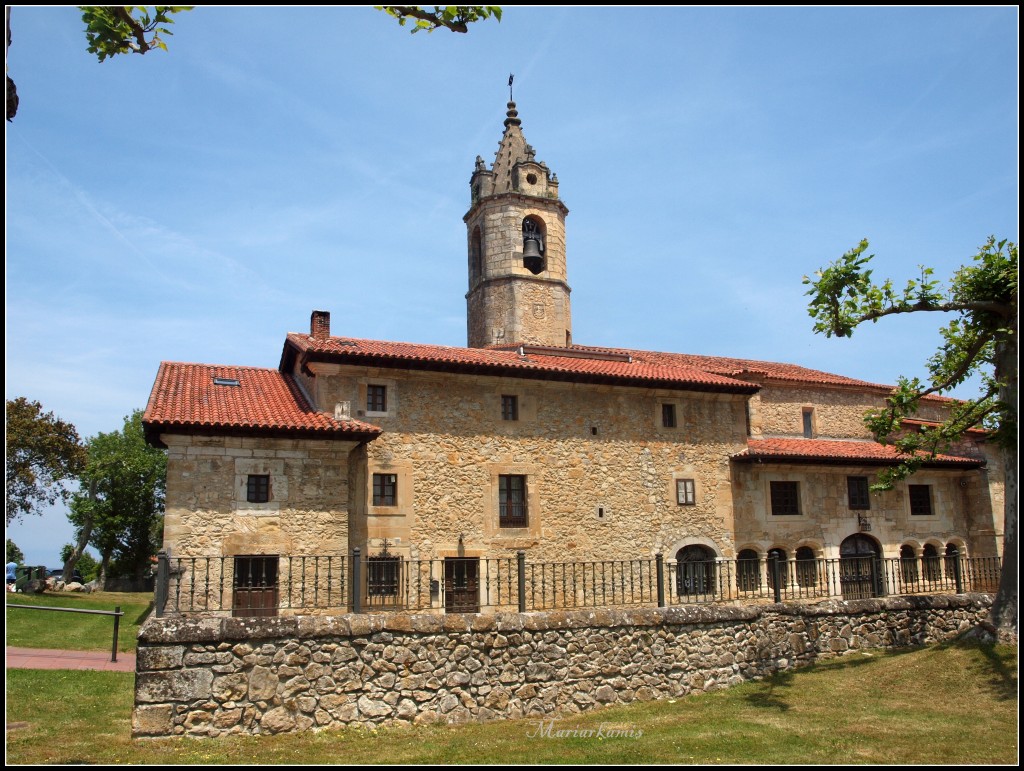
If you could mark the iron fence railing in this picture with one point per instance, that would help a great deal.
(253, 585)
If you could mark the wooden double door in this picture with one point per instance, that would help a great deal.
(461, 585)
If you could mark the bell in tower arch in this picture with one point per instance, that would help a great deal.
(533, 247)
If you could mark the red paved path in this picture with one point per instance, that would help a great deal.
(47, 658)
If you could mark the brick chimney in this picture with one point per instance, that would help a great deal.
(320, 325)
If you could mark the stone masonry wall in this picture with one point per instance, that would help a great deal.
(825, 518)
(838, 412)
(217, 676)
(600, 469)
(207, 511)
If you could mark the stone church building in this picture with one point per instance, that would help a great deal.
(526, 440)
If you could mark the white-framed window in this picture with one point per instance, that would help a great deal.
(686, 492)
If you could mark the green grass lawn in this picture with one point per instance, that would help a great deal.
(948, 704)
(28, 628)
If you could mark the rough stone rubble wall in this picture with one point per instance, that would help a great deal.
(216, 676)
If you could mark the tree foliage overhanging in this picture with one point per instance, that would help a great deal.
(456, 18)
(122, 29)
(979, 340)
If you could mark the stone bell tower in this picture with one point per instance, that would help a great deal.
(516, 233)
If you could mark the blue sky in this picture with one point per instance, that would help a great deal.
(196, 204)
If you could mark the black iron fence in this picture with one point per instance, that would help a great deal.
(265, 585)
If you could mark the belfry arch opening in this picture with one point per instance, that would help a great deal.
(476, 256)
(534, 250)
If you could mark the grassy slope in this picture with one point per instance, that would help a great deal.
(76, 631)
(955, 703)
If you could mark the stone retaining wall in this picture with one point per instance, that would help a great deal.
(215, 676)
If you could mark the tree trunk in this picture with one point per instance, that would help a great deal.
(83, 539)
(104, 564)
(1004, 610)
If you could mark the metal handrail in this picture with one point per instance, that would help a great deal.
(116, 613)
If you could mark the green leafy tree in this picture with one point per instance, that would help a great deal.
(120, 510)
(42, 453)
(980, 339)
(14, 554)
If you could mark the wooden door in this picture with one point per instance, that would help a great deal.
(255, 587)
(461, 585)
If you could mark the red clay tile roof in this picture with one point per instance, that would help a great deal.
(532, 362)
(828, 451)
(745, 368)
(265, 402)
(914, 423)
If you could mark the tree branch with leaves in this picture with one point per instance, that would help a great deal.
(122, 29)
(456, 18)
(980, 340)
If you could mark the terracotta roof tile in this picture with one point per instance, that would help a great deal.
(577, 364)
(745, 368)
(263, 401)
(838, 451)
(915, 423)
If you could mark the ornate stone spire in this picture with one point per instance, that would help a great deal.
(511, 150)
(518, 292)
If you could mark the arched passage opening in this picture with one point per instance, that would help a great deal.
(860, 570)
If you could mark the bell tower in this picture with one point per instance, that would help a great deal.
(518, 292)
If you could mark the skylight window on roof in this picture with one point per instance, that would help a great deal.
(226, 381)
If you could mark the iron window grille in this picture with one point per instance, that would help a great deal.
(383, 572)
(509, 407)
(785, 499)
(668, 415)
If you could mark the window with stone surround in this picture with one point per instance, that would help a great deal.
(858, 495)
(785, 499)
(512, 501)
(257, 488)
(808, 417)
(509, 407)
(668, 415)
(260, 485)
(385, 489)
(920, 500)
(376, 398)
(686, 492)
